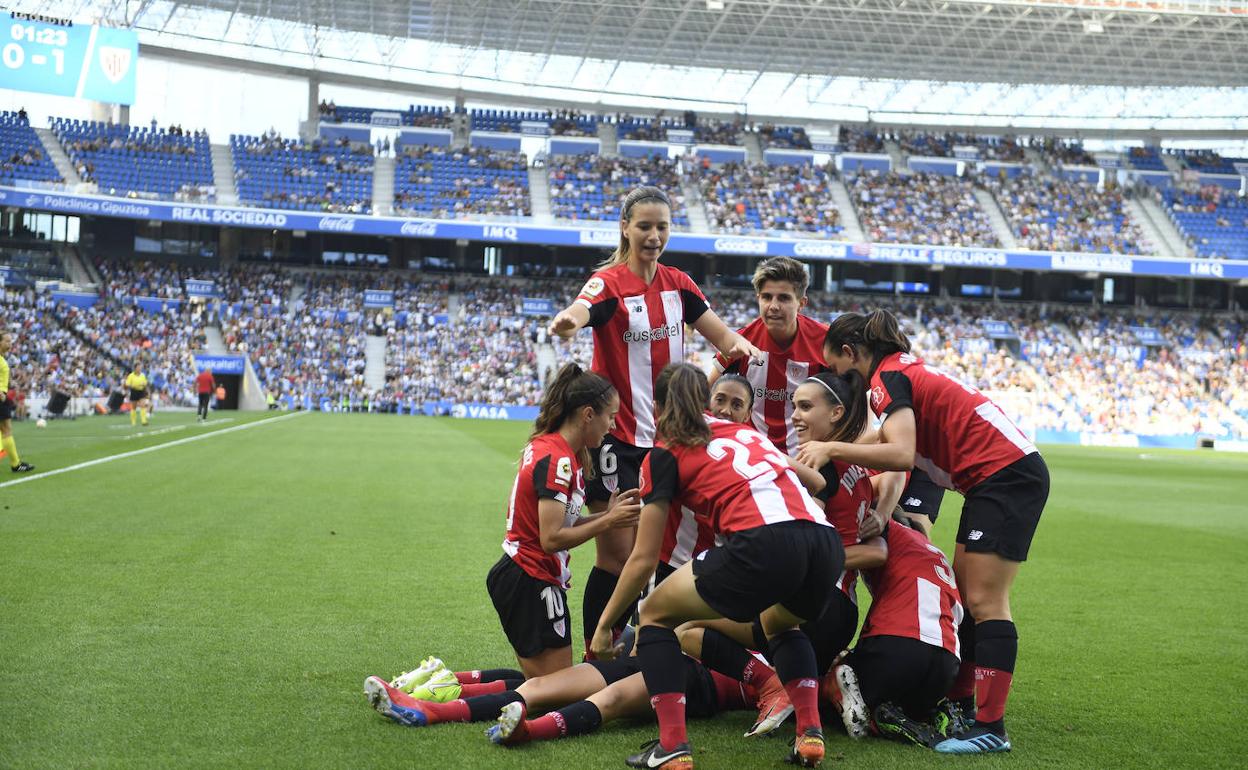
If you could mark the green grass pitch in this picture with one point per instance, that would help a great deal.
(218, 603)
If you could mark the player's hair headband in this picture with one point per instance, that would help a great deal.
(829, 387)
(653, 194)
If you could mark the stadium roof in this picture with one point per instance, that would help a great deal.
(1081, 42)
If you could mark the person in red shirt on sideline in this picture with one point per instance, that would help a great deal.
(204, 385)
(963, 442)
(779, 558)
(791, 345)
(638, 309)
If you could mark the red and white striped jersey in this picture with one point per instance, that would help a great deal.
(549, 469)
(847, 494)
(782, 370)
(685, 536)
(913, 595)
(738, 481)
(961, 437)
(639, 328)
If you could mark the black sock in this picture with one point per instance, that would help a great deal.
(483, 708)
(996, 645)
(724, 655)
(793, 656)
(513, 684)
(494, 674)
(581, 717)
(662, 664)
(598, 589)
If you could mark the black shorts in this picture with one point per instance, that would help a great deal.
(7, 409)
(617, 466)
(137, 395)
(922, 495)
(662, 571)
(830, 634)
(793, 564)
(1001, 512)
(907, 672)
(534, 613)
(701, 698)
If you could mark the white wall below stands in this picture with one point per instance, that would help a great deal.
(375, 362)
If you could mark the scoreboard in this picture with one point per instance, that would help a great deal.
(86, 62)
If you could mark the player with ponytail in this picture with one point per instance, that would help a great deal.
(638, 309)
(964, 442)
(778, 560)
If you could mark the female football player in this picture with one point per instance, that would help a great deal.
(779, 557)
(528, 584)
(907, 653)
(964, 442)
(638, 309)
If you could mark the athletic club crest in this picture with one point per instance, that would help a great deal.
(115, 62)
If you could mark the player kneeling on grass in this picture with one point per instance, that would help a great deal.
(893, 683)
(528, 584)
(780, 556)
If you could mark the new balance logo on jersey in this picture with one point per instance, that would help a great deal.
(974, 534)
(913, 501)
(653, 335)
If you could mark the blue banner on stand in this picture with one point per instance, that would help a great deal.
(1148, 336)
(200, 288)
(537, 307)
(76, 298)
(809, 249)
(376, 298)
(998, 330)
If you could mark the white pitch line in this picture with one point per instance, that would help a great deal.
(145, 450)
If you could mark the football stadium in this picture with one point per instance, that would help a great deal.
(603, 383)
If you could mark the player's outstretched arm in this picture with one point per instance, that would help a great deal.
(637, 570)
(731, 344)
(569, 321)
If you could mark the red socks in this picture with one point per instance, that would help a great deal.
(757, 673)
(548, 727)
(964, 686)
(484, 688)
(669, 707)
(455, 711)
(992, 690)
(804, 695)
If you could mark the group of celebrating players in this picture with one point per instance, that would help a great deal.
(745, 507)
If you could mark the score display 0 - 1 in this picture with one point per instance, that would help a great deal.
(87, 62)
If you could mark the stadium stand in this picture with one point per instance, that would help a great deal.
(291, 174)
(1212, 218)
(1048, 213)
(417, 115)
(647, 129)
(474, 181)
(590, 187)
(783, 137)
(506, 121)
(920, 208)
(745, 198)
(1209, 162)
(47, 356)
(861, 140)
(573, 123)
(139, 162)
(22, 155)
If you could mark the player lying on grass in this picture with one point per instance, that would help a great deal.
(529, 583)
(894, 681)
(587, 696)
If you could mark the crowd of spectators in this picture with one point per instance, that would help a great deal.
(591, 187)
(920, 208)
(757, 197)
(1062, 215)
(46, 356)
(474, 181)
(319, 175)
(783, 137)
(942, 145)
